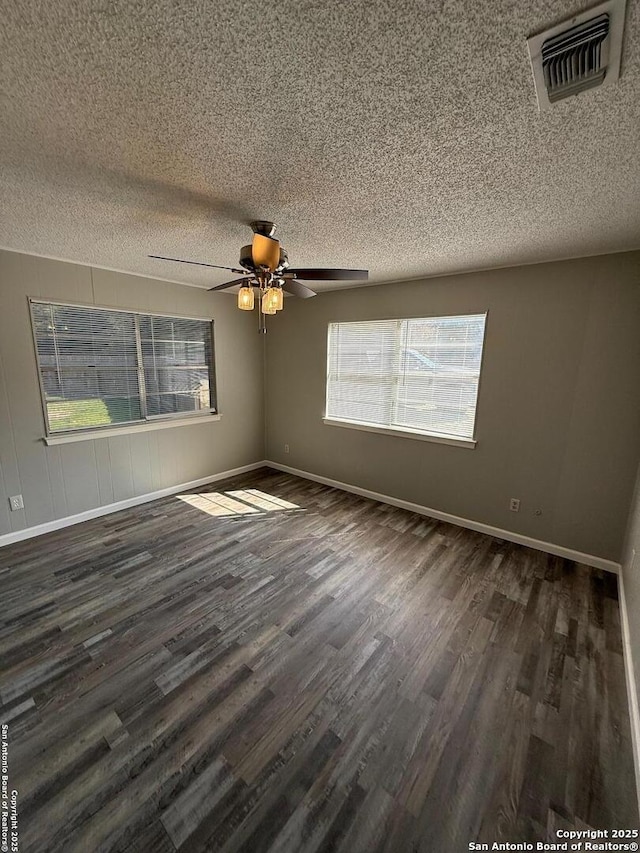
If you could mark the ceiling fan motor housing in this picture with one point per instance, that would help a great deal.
(246, 259)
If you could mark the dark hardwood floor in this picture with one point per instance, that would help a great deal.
(336, 676)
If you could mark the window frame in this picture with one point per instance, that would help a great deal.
(147, 421)
(397, 430)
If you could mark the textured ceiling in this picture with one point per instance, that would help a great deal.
(399, 136)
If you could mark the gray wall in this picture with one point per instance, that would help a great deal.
(559, 405)
(68, 479)
(631, 575)
(558, 414)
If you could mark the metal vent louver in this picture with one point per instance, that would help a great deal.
(577, 59)
(578, 54)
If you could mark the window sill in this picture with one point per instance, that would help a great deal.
(469, 443)
(127, 429)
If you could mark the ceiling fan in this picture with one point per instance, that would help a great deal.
(266, 266)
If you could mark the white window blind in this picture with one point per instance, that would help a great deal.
(176, 354)
(100, 367)
(417, 374)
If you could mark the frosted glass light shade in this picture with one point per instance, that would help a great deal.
(278, 298)
(274, 298)
(245, 299)
(267, 303)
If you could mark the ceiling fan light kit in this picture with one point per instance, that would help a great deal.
(245, 298)
(266, 266)
(275, 298)
(268, 302)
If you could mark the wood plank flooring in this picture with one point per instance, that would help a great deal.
(336, 675)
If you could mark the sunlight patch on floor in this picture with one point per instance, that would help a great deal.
(262, 500)
(237, 502)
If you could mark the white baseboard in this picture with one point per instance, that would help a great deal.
(632, 690)
(499, 533)
(548, 547)
(537, 544)
(59, 523)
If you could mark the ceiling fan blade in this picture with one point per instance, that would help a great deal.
(265, 252)
(297, 288)
(229, 284)
(195, 263)
(330, 275)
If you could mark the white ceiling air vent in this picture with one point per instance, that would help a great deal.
(578, 54)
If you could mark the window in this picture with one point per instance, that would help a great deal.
(419, 375)
(100, 368)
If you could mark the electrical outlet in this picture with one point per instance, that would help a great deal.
(514, 504)
(286, 448)
(16, 502)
